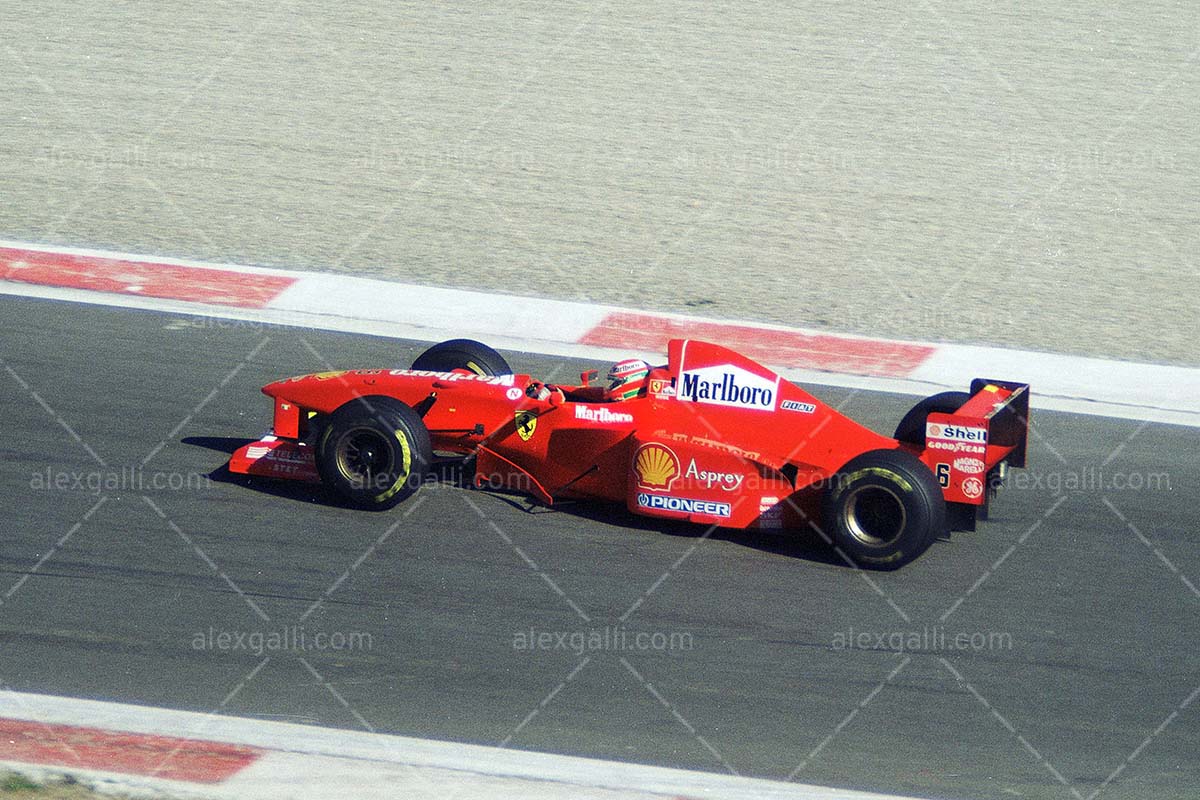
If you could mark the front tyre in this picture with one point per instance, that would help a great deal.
(884, 508)
(374, 452)
(465, 354)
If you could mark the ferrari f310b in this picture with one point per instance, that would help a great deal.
(710, 437)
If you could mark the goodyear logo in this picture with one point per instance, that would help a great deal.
(656, 466)
(683, 505)
(958, 447)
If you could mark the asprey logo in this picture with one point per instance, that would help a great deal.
(655, 466)
(729, 385)
(955, 433)
(726, 480)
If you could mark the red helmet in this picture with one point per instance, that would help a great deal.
(627, 378)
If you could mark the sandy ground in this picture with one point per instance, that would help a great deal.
(17, 786)
(932, 170)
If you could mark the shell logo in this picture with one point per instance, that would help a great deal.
(656, 466)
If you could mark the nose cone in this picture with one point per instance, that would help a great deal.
(289, 386)
(275, 389)
(303, 383)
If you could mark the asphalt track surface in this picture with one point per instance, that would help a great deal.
(120, 592)
(931, 170)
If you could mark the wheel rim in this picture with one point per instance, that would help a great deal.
(874, 515)
(362, 455)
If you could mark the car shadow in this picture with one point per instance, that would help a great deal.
(288, 490)
(445, 472)
(806, 545)
(222, 444)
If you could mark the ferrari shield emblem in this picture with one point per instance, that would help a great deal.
(526, 424)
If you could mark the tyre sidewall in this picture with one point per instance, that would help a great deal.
(408, 450)
(911, 429)
(912, 484)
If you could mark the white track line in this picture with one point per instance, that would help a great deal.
(309, 762)
(1072, 384)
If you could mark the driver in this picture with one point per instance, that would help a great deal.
(626, 380)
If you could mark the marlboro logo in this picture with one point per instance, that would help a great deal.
(727, 385)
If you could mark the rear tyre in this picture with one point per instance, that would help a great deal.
(911, 429)
(465, 354)
(374, 452)
(884, 508)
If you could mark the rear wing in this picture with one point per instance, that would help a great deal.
(969, 449)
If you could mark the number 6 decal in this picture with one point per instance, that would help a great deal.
(943, 474)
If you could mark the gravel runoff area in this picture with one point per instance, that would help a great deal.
(18, 786)
(1022, 177)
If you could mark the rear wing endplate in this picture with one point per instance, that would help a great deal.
(1008, 418)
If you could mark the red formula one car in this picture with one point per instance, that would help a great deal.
(711, 437)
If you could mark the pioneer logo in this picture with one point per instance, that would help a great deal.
(683, 505)
(727, 385)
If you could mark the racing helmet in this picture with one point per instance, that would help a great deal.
(627, 378)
